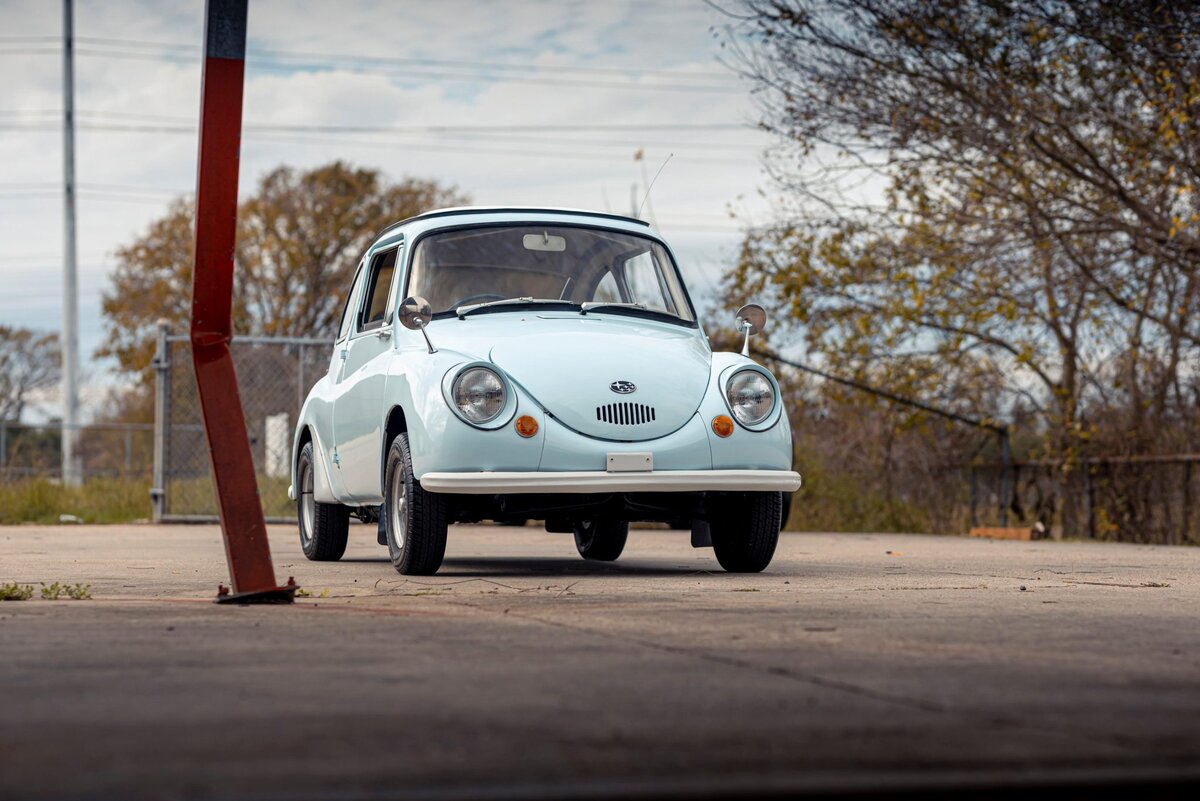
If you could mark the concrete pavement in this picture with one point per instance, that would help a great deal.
(856, 663)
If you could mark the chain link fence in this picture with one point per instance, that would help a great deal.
(1133, 499)
(1146, 499)
(274, 377)
(102, 450)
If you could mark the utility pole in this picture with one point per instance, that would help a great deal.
(70, 330)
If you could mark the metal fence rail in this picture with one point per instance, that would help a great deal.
(275, 375)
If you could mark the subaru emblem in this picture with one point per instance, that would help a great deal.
(623, 387)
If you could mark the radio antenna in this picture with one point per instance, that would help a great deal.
(651, 186)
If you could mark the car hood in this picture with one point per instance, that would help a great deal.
(570, 363)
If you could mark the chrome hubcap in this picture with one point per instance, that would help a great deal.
(307, 504)
(399, 506)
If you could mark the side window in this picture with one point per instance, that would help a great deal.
(351, 303)
(379, 284)
(606, 290)
(645, 283)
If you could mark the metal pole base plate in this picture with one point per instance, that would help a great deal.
(275, 595)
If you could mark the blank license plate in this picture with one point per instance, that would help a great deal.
(630, 462)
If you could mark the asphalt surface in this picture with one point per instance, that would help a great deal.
(855, 664)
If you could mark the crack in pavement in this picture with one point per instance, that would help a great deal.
(914, 703)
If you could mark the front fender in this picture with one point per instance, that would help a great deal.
(438, 439)
(767, 446)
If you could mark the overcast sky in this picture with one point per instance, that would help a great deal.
(541, 102)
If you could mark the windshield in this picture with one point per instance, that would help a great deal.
(470, 266)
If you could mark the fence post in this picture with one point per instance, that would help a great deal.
(162, 399)
(300, 381)
(1091, 499)
(128, 452)
(1187, 502)
(973, 493)
(1005, 463)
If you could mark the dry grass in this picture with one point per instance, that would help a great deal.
(102, 500)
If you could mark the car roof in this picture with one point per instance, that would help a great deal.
(437, 218)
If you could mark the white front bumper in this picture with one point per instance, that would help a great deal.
(596, 481)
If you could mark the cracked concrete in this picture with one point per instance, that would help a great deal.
(856, 663)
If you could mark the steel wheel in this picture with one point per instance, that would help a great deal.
(308, 511)
(399, 510)
(324, 527)
(415, 519)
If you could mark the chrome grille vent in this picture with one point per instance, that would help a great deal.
(625, 414)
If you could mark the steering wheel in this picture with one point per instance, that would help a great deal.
(481, 297)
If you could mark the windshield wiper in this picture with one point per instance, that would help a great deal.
(637, 309)
(463, 311)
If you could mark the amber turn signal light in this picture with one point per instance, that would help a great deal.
(526, 426)
(722, 425)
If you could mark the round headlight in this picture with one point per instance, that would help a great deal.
(479, 394)
(751, 396)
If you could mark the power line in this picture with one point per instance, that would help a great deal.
(468, 135)
(268, 52)
(424, 69)
(435, 129)
(301, 136)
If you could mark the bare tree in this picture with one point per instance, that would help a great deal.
(28, 361)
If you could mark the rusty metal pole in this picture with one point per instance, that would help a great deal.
(242, 523)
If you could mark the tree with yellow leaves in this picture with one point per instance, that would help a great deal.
(990, 206)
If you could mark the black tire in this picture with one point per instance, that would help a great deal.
(324, 527)
(415, 520)
(785, 498)
(600, 540)
(745, 529)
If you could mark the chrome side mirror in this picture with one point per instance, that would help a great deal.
(414, 314)
(751, 319)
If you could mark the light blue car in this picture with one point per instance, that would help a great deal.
(536, 364)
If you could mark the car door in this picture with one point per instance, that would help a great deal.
(358, 404)
(334, 373)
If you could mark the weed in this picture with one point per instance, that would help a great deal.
(15, 592)
(77, 592)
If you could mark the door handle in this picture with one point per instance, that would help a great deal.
(384, 332)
